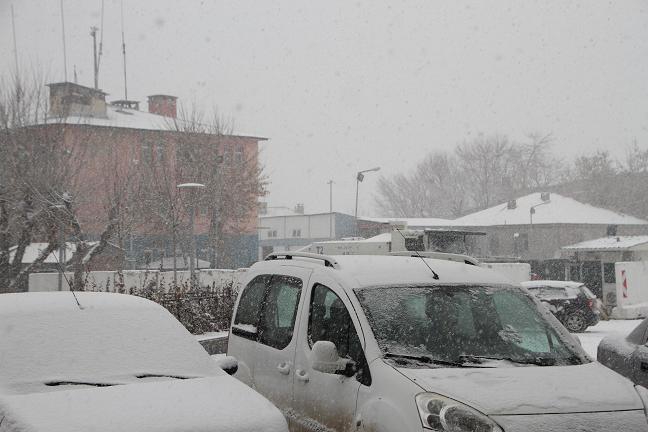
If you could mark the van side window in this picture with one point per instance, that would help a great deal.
(279, 311)
(249, 308)
(329, 320)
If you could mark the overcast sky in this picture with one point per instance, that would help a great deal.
(339, 86)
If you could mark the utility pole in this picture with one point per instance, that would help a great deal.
(330, 183)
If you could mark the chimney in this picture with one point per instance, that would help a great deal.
(299, 208)
(163, 105)
(71, 99)
(545, 196)
(511, 205)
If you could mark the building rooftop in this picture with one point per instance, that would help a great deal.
(413, 222)
(120, 117)
(557, 210)
(613, 243)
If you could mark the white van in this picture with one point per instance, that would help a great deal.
(394, 343)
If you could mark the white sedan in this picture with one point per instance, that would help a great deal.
(80, 362)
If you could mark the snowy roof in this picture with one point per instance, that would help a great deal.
(119, 117)
(614, 243)
(380, 238)
(33, 251)
(558, 210)
(413, 222)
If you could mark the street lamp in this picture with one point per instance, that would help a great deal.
(192, 256)
(532, 211)
(330, 183)
(359, 178)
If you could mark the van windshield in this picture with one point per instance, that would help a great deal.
(457, 325)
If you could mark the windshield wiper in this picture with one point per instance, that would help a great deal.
(538, 361)
(425, 359)
(81, 383)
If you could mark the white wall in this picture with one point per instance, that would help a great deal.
(631, 290)
(311, 226)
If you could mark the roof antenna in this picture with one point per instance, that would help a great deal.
(435, 275)
(58, 263)
(124, 50)
(13, 26)
(64, 50)
(97, 56)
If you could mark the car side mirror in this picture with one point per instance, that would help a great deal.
(228, 363)
(327, 360)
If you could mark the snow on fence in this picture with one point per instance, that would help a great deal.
(136, 280)
(631, 290)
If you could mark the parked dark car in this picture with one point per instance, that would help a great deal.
(575, 306)
(627, 355)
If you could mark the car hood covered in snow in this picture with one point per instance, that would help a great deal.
(219, 403)
(532, 390)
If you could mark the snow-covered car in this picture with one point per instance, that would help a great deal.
(575, 306)
(387, 343)
(80, 362)
(627, 355)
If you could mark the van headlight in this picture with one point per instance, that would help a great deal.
(443, 414)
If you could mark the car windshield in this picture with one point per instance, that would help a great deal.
(465, 324)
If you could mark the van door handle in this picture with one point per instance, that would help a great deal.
(302, 375)
(283, 368)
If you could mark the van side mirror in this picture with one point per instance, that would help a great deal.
(327, 360)
(228, 363)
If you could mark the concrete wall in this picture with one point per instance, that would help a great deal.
(631, 290)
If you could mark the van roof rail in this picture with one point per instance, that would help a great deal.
(466, 259)
(329, 261)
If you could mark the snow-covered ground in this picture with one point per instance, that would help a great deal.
(593, 335)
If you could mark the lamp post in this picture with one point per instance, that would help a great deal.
(192, 210)
(359, 178)
(531, 213)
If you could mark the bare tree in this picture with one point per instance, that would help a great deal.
(480, 173)
(51, 188)
(205, 151)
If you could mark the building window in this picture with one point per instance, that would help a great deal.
(159, 152)
(238, 156)
(147, 152)
(296, 233)
(272, 233)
